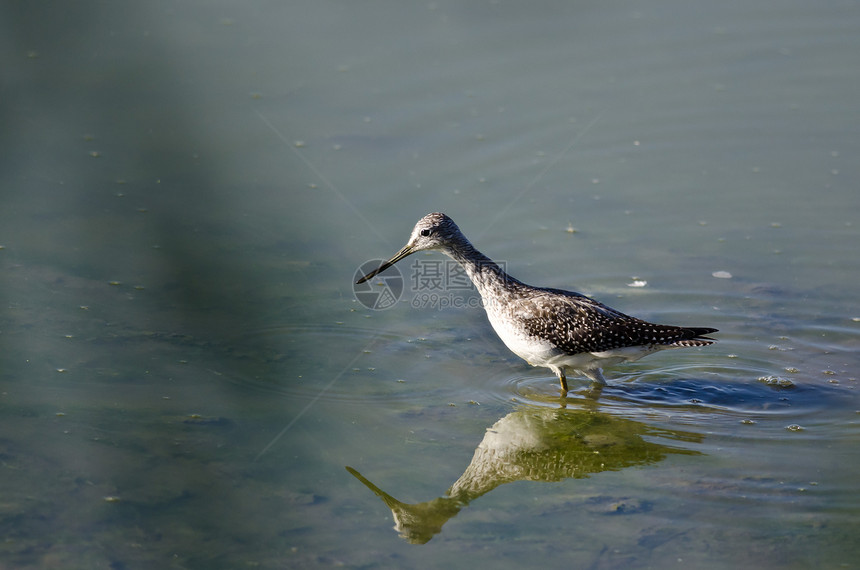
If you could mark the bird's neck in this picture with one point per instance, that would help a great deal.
(485, 273)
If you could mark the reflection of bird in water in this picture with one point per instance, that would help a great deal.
(535, 444)
(547, 327)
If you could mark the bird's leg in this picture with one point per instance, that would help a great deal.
(596, 376)
(563, 380)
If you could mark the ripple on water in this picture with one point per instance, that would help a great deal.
(772, 368)
(720, 399)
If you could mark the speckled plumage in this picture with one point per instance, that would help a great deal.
(548, 327)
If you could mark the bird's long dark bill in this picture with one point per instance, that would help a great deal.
(407, 249)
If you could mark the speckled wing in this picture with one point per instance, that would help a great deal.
(575, 323)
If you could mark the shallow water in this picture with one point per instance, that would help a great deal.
(188, 380)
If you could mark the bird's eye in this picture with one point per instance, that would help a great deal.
(426, 232)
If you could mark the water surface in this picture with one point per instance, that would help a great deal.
(188, 190)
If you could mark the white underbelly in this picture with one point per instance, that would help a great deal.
(539, 352)
(592, 360)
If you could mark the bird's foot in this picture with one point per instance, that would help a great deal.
(594, 390)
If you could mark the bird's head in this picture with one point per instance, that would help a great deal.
(433, 231)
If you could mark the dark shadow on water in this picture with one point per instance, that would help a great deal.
(535, 444)
(128, 265)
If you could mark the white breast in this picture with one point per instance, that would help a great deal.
(533, 350)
